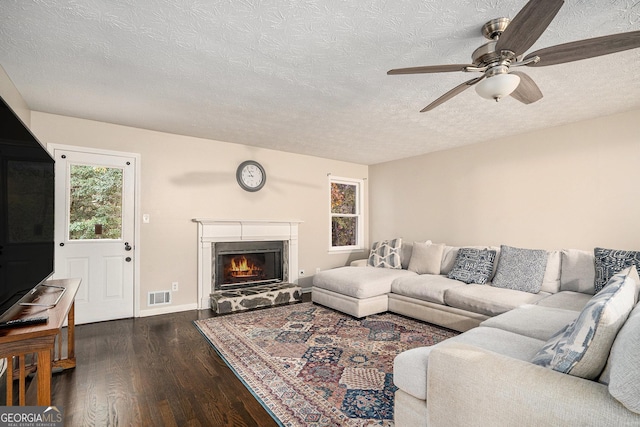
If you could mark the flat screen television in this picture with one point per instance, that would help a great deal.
(26, 211)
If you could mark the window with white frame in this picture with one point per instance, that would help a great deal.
(347, 218)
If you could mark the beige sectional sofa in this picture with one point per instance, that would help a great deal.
(486, 376)
(360, 290)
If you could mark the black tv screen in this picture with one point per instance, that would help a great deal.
(26, 210)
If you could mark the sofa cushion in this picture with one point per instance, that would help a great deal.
(532, 321)
(520, 269)
(410, 371)
(473, 265)
(410, 367)
(582, 347)
(489, 300)
(623, 375)
(577, 271)
(405, 253)
(359, 262)
(425, 287)
(610, 261)
(358, 282)
(386, 254)
(567, 300)
(426, 258)
(551, 279)
(448, 258)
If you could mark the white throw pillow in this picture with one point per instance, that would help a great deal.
(426, 258)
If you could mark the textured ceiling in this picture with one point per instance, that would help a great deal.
(306, 76)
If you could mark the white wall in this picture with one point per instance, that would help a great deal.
(12, 97)
(574, 186)
(185, 178)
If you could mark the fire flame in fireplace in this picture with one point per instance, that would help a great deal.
(241, 267)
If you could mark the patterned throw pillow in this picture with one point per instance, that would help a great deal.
(386, 254)
(610, 262)
(473, 265)
(520, 269)
(582, 347)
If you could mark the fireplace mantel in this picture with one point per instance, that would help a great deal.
(213, 230)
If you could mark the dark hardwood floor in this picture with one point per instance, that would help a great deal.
(152, 371)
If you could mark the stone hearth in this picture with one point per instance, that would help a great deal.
(259, 296)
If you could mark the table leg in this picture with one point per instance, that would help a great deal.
(44, 377)
(22, 400)
(71, 327)
(10, 381)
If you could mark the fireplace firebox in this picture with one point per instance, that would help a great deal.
(242, 264)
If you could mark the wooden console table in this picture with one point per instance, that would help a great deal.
(41, 340)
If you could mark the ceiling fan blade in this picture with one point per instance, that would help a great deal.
(527, 91)
(528, 25)
(453, 92)
(430, 69)
(583, 49)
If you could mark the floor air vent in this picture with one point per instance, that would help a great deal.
(159, 297)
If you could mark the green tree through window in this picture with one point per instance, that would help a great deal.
(345, 214)
(96, 202)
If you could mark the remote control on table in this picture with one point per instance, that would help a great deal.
(24, 322)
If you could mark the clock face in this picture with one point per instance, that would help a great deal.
(251, 175)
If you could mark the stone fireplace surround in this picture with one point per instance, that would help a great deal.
(213, 231)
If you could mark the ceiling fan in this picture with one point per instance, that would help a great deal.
(509, 40)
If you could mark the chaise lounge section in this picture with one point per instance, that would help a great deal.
(356, 290)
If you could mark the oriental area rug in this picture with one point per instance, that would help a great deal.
(312, 366)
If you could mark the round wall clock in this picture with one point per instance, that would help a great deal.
(251, 175)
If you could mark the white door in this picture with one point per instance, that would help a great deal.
(94, 211)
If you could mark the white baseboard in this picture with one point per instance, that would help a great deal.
(168, 309)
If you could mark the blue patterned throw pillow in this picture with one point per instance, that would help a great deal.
(520, 269)
(582, 347)
(473, 265)
(611, 261)
(386, 254)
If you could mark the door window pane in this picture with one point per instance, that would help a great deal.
(96, 202)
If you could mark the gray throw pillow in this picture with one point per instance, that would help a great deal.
(611, 261)
(473, 265)
(520, 269)
(386, 254)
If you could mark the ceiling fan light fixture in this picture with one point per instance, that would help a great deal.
(498, 86)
